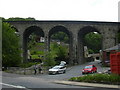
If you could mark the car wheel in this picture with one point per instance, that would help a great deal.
(54, 73)
(57, 72)
(82, 73)
(92, 72)
(64, 71)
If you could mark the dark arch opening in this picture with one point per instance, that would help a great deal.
(59, 28)
(33, 29)
(82, 46)
(26, 38)
(86, 30)
(63, 29)
(118, 36)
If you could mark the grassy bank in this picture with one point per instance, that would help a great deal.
(98, 78)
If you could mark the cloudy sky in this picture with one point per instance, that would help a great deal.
(86, 10)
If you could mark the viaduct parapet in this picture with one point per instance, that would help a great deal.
(76, 30)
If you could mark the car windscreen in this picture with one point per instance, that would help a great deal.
(86, 67)
(55, 67)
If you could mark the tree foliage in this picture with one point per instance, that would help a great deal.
(10, 46)
(63, 37)
(60, 52)
(50, 59)
(32, 41)
(93, 42)
(19, 19)
(56, 54)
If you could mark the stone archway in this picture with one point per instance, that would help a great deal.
(65, 30)
(80, 51)
(118, 36)
(26, 34)
(108, 31)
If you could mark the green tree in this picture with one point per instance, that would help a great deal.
(61, 36)
(93, 42)
(32, 41)
(10, 47)
(58, 53)
(61, 53)
(50, 59)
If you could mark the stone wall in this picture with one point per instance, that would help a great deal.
(108, 31)
(25, 71)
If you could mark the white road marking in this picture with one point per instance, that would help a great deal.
(12, 85)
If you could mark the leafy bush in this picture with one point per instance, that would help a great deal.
(40, 52)
(99, 78)
(60, 52)
(49, 59)
(34, 57)
(73, 79)
(11, 53)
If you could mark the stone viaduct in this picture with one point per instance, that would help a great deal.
(75, 30)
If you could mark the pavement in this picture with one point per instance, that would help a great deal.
(87, 84)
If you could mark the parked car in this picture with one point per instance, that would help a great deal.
(107, 71)
(89, 69)
(63, 63)
(57, 69)
(107, 62)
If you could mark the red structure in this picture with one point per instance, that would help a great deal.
(107, 52)
(115, 63)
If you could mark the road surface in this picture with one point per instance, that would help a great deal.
(46, 81)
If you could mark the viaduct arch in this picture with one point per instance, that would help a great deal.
(81, 34)
(65, 30)
(75, 30)
(28, 31)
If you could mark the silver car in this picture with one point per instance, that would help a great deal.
(57, 69)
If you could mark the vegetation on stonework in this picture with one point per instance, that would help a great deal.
(98, 78)
(11, 53)
(92, 40)
(19, 19)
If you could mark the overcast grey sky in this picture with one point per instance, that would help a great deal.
(87, 10)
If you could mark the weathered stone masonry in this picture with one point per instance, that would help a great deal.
(75, 30)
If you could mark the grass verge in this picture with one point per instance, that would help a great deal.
(98, 78)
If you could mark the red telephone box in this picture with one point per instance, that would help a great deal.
(115, 63)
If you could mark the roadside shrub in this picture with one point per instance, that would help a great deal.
(73, 79)
(98, 78)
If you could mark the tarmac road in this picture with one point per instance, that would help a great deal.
(45, 81)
